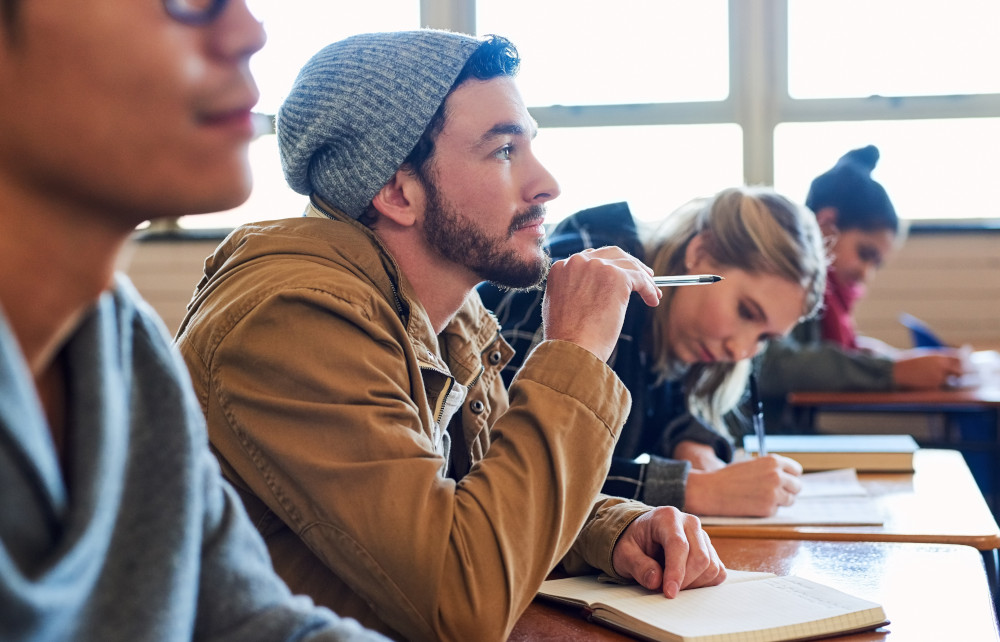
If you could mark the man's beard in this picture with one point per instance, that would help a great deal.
(462, 241)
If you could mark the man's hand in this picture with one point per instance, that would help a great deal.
(668, 549)
(587, 293)
(751, 488)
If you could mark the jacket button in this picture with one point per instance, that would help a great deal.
(495, 357)
(477, 407)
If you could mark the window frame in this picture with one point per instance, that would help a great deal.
(758, 99)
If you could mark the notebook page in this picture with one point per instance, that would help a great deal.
(590, 589)
(769, 609)
(831, 483)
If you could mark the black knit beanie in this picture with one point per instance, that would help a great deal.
(861, 202)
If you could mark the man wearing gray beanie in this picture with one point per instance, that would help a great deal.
(351, 375)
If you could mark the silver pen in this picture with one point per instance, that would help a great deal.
(758, 415)
(686, 279)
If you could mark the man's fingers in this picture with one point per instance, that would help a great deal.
(789, 465)
(587, 294)
(689, 559)
(714, 571)
(640, 273)
(676, 551)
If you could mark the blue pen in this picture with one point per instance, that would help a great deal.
(758, 415)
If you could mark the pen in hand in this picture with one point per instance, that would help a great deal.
(686, 279)
(758, 416)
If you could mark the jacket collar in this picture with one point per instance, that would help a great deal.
(472, 323)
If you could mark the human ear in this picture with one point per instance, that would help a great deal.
(827, 219)
(400, 198)
(694, 253)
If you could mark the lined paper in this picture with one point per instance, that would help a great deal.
(761, 608)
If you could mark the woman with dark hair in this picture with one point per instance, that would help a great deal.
(861, 228)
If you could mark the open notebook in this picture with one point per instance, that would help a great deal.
(758, 607)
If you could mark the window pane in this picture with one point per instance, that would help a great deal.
(860, 48)
(632, 51)
(297, 29)
(271, 198)
(654, 168)
(932, 169)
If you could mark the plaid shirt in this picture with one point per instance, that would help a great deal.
(659, 418)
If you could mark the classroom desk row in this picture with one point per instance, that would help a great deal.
(939, 503)
(925, 564)
(971, 420)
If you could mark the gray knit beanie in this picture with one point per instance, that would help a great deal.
(358, 108)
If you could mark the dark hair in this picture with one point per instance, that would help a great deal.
(496, 57)
(861, 202)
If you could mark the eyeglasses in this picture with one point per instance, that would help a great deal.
(194, 12)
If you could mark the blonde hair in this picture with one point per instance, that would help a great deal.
(753, 229)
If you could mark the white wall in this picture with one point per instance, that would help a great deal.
(165, 273)
(951, 280)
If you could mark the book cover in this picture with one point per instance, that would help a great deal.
(748, 606)
(864, 453)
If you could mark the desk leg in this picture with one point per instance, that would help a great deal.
(991, 561)
(978, 438)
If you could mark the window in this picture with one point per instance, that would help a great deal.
(648, 61)
(918, 81)
(924, 164)
(642, 51)
(656, 168)
(860, 48)
(660, 101)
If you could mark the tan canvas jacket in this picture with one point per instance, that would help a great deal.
(327, 394)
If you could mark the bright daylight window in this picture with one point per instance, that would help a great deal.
(932, 65)
(931, 169)
(860, 48)
(648, 51)
(642, 100)
(656, 168)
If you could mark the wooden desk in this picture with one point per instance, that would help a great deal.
(929, 591)
(939, 503)
(986, 395)
(972, 421)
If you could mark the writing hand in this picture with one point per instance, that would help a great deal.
(921, 370)
(668, 549)
(751, 488)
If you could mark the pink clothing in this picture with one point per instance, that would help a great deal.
(837, 323)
